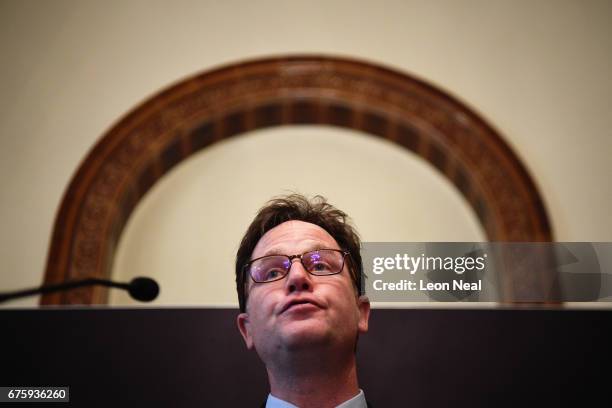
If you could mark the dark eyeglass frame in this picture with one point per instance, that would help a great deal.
(246, 266)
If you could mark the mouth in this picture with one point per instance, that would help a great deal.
(299, 304)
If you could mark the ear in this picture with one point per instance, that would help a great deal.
(363, 303)
(242, 321)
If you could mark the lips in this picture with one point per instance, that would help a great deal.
(299, 301)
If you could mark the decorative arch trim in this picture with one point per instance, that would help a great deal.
(218, 104)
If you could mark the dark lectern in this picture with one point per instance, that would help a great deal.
(410, 358)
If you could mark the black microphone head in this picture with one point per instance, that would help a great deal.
(143, 289)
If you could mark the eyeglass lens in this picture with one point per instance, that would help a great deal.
(320, 262)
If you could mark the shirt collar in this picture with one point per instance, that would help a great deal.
(358, 401)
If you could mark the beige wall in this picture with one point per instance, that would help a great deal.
(191, 223)
(538, 71)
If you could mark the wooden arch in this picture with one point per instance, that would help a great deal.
(218, 104)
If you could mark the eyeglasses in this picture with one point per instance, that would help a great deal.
(320, 262)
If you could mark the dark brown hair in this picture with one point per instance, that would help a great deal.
(295, 207)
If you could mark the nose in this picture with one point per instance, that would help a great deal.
(298, 278)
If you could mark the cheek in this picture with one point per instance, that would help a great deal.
(261, 304)
(342, 297)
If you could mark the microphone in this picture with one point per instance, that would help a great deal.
(143, 289)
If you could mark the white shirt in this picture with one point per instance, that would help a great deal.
(358, 401)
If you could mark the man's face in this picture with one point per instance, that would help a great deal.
(328, 310)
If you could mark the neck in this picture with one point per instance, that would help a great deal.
(313, 379)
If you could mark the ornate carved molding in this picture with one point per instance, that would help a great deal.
(215, 105)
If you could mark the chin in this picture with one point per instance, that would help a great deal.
(305, 333)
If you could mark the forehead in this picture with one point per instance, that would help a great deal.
(293, 237)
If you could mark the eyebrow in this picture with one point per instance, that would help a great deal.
(315, 246)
